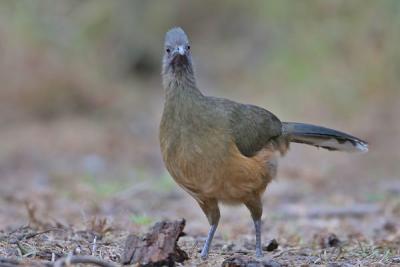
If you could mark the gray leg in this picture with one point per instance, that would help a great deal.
(206, 248)
(257, 225)
(255, 207)
(211, 210)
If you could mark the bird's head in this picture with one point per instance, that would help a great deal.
(177, 58)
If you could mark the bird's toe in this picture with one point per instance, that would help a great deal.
(204, 255)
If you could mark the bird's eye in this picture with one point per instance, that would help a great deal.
(188, 47)
(168, 50)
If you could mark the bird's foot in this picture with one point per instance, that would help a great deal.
(204, 253)
(259, 253)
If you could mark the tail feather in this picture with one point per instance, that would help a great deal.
(323, 137)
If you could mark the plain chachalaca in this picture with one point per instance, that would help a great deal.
(219, 150)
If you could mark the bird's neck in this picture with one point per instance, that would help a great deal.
(180, 87)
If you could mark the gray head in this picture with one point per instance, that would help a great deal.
(177, 60)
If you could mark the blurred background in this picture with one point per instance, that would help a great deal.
(81, 99)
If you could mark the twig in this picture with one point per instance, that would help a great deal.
(84, 260)
(18, 229)
(94, 245)
(340, 253)
(31, 235)
(194, 248)
(280, 253)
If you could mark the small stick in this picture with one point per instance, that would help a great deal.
(94, 245)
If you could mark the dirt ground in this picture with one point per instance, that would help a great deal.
(325, 208)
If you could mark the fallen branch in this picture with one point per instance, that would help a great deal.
(156, 248)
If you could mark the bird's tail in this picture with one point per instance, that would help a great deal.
(323, 137)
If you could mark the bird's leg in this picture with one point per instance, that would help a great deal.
(257, 225)
(206, 247)
(255, 207)
(211, 210)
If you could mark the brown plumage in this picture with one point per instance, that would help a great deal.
(223, 151)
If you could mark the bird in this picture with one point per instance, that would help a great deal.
(222, 151)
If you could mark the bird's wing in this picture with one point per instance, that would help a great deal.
(253, 128)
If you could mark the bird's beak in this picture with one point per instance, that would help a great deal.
(179, 56)
(181, 50)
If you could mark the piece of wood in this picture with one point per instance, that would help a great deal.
(156, 248)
